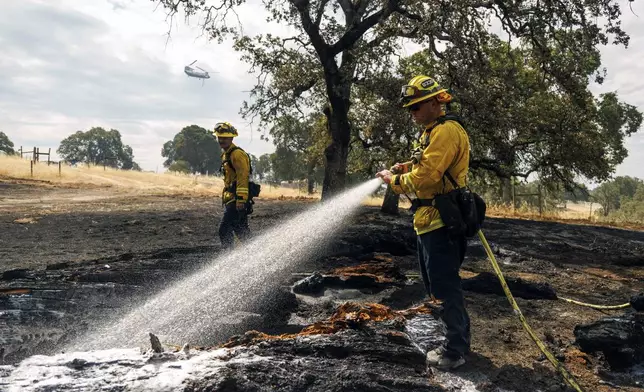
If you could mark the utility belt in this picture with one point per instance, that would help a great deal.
(417, 203)
(254, 189)
(461, 210)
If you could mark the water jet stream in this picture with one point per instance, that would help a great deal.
(202, 302)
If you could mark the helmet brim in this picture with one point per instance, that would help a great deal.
(226, 134)
(423, 98)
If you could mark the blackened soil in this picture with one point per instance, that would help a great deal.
(61, 254)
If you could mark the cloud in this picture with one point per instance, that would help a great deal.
(71, 65)
(68, 65)
(625, 69)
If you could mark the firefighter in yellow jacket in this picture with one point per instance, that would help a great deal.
(236, 169)
(438, 165)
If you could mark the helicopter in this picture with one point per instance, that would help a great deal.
(192, 72)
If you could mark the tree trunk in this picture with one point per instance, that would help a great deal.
(390, 202)
(339, 128)
(506, 191)
(335, 172)
(310, 178)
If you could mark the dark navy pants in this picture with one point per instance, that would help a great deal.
(440, 257)
(233, 223)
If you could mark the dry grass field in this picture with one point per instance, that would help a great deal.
(126, 181)
(577, 213)
(170, 183)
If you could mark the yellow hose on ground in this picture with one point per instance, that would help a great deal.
(566, 375)
(608, 307)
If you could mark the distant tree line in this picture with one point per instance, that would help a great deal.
(621, 199)
(6, 145)
(96, 146)
(299, 155)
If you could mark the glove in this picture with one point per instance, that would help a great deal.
(241, 211)
(386, 176)
(397, 168)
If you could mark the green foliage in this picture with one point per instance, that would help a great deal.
(262, 167)
(578, 193)
(523, 121)
(196, 147)
(6, 145)
(285, 165)
(180, 167)
(631, 208)
(299, 150)
(382, 133)
(337, 44)
(99, 147)
(611, 195)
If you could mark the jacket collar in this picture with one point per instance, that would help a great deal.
(230, 148)
(431, 125)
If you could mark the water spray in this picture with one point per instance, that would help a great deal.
(213, 297)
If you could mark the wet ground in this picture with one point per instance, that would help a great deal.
(71, 256)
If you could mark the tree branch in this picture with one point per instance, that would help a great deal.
(390, 34)
(313, 30)
(356, 32)
(494, 166)
(304, 87)
(349, 12)
(409, 14)
(318, 16)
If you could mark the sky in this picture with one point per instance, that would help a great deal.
(70, 65)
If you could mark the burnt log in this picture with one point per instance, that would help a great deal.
(620, 339)
(313, 284)
(637, 302)
(488, 283)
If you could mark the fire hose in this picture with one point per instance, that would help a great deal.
(558, 365)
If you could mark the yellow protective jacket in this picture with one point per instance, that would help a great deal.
(445, 146)
(236, 166)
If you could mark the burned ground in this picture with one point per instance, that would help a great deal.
(67, 253)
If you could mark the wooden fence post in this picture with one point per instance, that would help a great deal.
(60, 167)
(48, 156)
(20, 151)
(31, 167)
(33, 155)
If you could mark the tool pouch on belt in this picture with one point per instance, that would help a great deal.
(253, 189)
(417, 203)
(461, 210)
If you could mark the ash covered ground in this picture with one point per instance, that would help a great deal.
(71, 257)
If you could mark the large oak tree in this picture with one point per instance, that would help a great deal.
(194, 150)
(99, 147)
(339, 42)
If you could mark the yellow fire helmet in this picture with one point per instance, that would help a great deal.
(421, 88)
(225, 129)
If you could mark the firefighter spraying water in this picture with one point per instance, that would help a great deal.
(203, 303)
